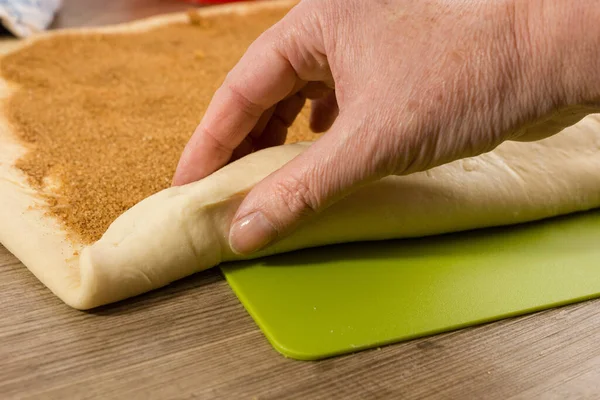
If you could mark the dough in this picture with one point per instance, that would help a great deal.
(183, 230)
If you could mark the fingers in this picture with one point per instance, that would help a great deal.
(332, 167)
(271, 129)
(323, 112)
(275, 131)
(278, 63)
(247, 146)
(316, 90)
(257, 82)
(262, 122)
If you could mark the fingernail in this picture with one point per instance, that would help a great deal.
(251, 234)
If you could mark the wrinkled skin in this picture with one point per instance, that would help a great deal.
(400, 86)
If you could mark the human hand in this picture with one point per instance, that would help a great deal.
(400, 85)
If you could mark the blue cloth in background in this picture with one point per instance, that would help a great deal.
(23, 18)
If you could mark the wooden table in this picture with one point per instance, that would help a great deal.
(193, 339)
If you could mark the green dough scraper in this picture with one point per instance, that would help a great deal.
(332, 300)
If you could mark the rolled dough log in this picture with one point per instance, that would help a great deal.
(183, 230)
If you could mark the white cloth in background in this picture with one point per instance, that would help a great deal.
(26, 17)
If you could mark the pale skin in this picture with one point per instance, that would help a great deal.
(398, 86)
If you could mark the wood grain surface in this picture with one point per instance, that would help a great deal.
(193, 339)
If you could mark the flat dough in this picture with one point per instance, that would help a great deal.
(183, 230)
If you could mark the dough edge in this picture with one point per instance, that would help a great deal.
(38, 240)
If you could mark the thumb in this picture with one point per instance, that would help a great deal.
(335, 165)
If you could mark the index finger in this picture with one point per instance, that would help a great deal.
(261, 79)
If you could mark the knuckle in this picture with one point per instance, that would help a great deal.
(244, 103)
(298, 197)
(215, 141)
(300, 41)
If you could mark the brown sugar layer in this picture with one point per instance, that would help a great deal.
(106, 116)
